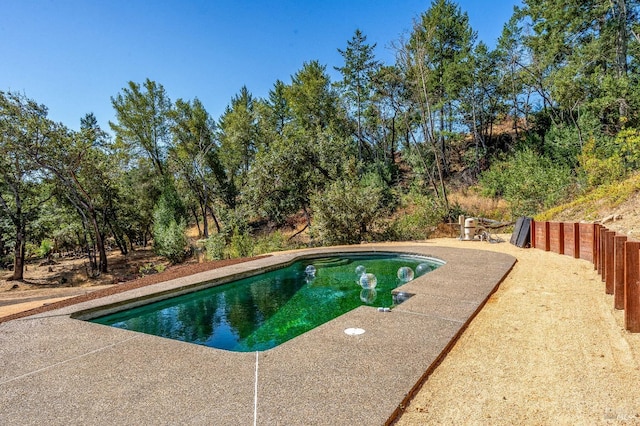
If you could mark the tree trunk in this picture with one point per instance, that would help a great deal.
(120, 241)
(308, 217)
(442, 145)
(102, 252)
(392, 152)
(622, 38)
(2, 249)
(99, 244)
(205, 221)
(90, 251)
(215, 219)
(194, 212)
(515, 104)
(19, 251)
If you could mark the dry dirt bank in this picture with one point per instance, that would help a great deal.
(547, 349)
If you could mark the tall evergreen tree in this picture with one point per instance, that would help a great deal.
(482, 103)
(314, 104)
(581, 52)
(310, 152)
(511, 57)
(143, 121)
(436, 65)
(237, 132)
(195, 154)
(444, 40)
(359, 67)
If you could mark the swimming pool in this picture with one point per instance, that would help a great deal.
(265, 310)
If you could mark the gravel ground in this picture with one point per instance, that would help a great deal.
(547, 349)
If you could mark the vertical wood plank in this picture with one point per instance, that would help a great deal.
(587, 239)
(556, 237)
(608, 261)
(632, 286)
(547, 242)
(576, 240)
(569, 238)
(532, 236)
(600, 246)
(618, 271)
(595, 246)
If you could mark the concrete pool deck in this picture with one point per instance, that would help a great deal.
(60, 370)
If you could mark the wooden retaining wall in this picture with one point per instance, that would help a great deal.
(614, 256)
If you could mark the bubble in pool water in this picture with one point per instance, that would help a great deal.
(405, 274)
(422, 269)
(310, 270)
(368, 295)
(360, 269)
(368, 281)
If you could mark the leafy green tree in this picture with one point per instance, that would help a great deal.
(195, 155)
(138, 191)
(314, 104)
(388, 118)
(511, 56)
(143, 126)
(23, 123)
(436, 65)
(237, 132)
(482, 102)
(281, 179)
(5, 238)
(79, 166)
(276, 112)
(59, 223)
(311, 150)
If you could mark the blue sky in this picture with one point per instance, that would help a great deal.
(74, 55)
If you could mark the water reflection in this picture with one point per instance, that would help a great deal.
(261, 312)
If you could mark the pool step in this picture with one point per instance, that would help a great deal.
(330, 261)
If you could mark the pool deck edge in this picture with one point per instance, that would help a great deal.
(93, 372)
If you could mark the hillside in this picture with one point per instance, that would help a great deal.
(617, 206)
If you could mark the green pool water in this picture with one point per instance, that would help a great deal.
(263, 311)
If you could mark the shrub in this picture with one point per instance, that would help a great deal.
(274, 241)
(46, 246)
(344, 212)
(169, 236)
(629, 142)
(598, 167)
(241, 244)
(527, 181)
(170, 241)
(422, 215)
(214, 246)
(150, 269)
